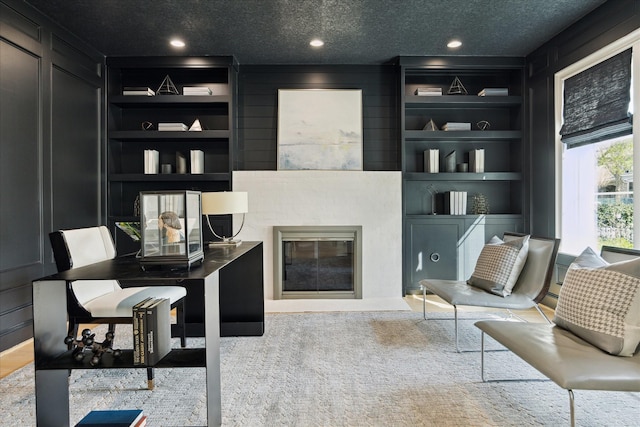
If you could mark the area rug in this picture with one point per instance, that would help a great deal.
(337, 369)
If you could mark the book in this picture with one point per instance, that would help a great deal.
(158, 322)
(196, 90)
(476, 160)
(151, 162)
(432, 160)
(112, 418)
(197, 161)
(456, 126)
(172, 127)
(428, 91)
(455, 202)
(139, 332)
(138, 91)
(494, 91)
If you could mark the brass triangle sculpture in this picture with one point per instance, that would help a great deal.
(167, 87)
(457, 88)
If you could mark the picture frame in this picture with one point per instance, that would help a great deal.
(320, 129)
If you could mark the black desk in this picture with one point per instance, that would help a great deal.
(215, 297)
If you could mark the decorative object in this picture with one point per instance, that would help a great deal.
(195, 126)
(170, 226)
(167, 87)
(181, 163)
(483, 125)
(457, 88)
(197, 161)
(450, 162)
(147, 126)
(431, 189)
(88, 344)
(166, 168)
(480, 205)
(225, 203)
(462, 167)
(431, 125)
(151, 162)
(320, 129)
(136, 206)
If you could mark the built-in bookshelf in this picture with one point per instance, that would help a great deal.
(144, 94)
(484, 98)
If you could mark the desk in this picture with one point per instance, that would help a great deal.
(220, 269)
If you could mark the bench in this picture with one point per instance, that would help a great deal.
(569, 361)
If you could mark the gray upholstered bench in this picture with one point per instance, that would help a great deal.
(566, 359)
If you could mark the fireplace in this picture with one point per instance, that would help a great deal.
(317, 262)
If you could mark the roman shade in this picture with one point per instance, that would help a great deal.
(596, 102)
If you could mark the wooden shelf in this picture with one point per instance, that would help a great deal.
(170, 101)
(461, 101)
(462, 135)
(169, 177)
(463, 176)
(153, 135)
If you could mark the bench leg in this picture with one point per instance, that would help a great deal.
(571, 409)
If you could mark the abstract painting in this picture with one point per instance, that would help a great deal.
(320, 129)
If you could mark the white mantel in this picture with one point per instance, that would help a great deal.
(293, 198)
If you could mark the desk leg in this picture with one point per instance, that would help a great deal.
(212, 344)
(49, 331)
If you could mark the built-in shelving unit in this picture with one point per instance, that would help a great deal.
(133, 128)
(446, 246)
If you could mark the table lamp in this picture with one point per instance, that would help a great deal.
(225, 203)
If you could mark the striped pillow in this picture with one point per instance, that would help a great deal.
(499, 265)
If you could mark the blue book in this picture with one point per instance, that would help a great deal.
(113, 418)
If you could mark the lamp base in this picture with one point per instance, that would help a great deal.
(225, 243)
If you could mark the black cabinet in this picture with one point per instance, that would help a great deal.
(133, 128)
(494, 124)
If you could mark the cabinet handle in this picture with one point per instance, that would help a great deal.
(435, 257)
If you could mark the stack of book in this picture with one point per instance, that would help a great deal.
(432, 160)
(151, 331)
(144, 91)
(196, 90)
(151, 161)
(172, 127)
(494, 91)
(455, 203)
(456, 126)
(428, 91)
(476, 160)
(114, 418)
(197, 161)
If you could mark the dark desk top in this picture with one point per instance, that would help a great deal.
(128, 267)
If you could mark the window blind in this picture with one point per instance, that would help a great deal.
(596, 102)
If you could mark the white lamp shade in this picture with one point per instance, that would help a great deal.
(225, 202)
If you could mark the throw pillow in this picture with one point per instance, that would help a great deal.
(499, 265)
(600, 303)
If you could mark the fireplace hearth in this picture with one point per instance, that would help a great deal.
(317, 262)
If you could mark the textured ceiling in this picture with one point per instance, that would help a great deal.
(279, 31)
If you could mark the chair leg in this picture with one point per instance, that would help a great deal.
(455, 317)
(150, 379)
(571, 408)
(182, 327)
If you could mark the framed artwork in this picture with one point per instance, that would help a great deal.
(319, 129)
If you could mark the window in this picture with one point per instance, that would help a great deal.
(595, 168)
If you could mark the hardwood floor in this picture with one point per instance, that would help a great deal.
(22, 354)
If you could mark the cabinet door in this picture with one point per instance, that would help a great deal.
(432, 250)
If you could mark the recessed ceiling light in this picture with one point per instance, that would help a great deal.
(454, 44)
(177, 43)
(316, 43)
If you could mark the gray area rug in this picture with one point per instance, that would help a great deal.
(337, 369)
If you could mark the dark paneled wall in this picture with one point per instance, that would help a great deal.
(258, 110)
(51, 152)
(603, 26)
